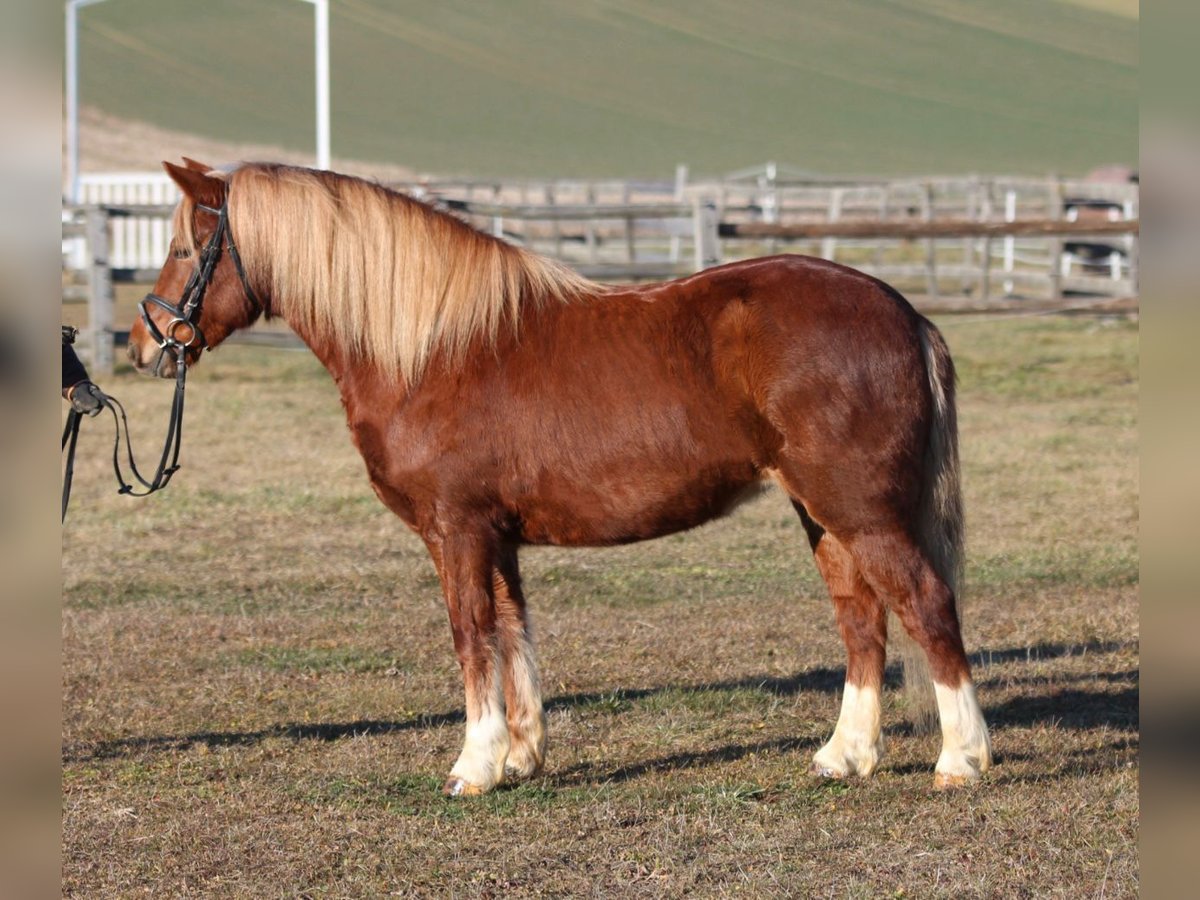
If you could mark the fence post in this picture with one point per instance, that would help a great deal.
(985, 271)
(884, 194)
(829, 244)
(555, 228)
(1010, 243)
(681, 178)
(931, 284)
(704, 234)
(630, 247)
(589, 233)
(100, 293)
(1056, 243)
(1134, 247)
(1129, 211)
(969, 245)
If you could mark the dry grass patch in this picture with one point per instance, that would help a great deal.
(260, 695)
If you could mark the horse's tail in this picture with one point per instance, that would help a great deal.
(940, 531)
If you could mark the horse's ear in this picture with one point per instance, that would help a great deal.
(190, 163)
(201, 187)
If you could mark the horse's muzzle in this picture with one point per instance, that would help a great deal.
(149, 359)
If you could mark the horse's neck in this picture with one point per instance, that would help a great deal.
(332, 357)
(354, 377)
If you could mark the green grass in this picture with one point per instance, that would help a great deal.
(269, 707)
(311, 660)
(1053, 365)
(624, 87)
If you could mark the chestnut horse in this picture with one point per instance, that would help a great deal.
(499, 399)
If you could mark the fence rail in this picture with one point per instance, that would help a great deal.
(934, 228)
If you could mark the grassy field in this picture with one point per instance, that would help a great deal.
(632, 87)
(260, 696)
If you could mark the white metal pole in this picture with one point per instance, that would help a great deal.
(72, 8)
(321, 11)
(321, 16)
(72, 106)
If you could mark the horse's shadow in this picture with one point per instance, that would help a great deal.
(1072, 708)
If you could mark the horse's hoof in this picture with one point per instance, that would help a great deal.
(457, 787)
(943, 781)
(823, 771)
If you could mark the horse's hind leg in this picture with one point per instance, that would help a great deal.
(466, 563)
(522, 693)
(857, 742)
(899, 572)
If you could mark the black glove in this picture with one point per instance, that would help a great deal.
(86, 398)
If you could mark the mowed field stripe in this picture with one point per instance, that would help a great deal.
(851, 72)
(630, 88)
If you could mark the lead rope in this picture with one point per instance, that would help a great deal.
(171, 444)
(70, 436)
(168, 463)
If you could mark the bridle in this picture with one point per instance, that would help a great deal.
(184, 314)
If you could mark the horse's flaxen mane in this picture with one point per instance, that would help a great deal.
(386, 277)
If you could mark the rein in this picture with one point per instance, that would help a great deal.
(168, 463)
(185, 313)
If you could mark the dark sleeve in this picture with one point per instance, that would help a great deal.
(73, 370)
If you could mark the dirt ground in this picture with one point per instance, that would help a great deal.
(260, 696)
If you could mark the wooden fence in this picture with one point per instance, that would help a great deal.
(1021, 239)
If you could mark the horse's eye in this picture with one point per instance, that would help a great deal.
(181, 253)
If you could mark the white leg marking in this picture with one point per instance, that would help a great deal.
(966, 747)
(481, 764)
(857, 742)
(527, 753)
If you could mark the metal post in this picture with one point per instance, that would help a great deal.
(72, 106)
(321, 10)
(72, 77)
(321, 29)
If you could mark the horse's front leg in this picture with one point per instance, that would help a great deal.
(466, 563)
(522, 692)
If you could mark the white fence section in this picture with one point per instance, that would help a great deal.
(135, 242)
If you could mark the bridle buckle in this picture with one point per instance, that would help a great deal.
(170, 338)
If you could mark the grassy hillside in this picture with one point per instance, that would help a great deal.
(633, 86)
